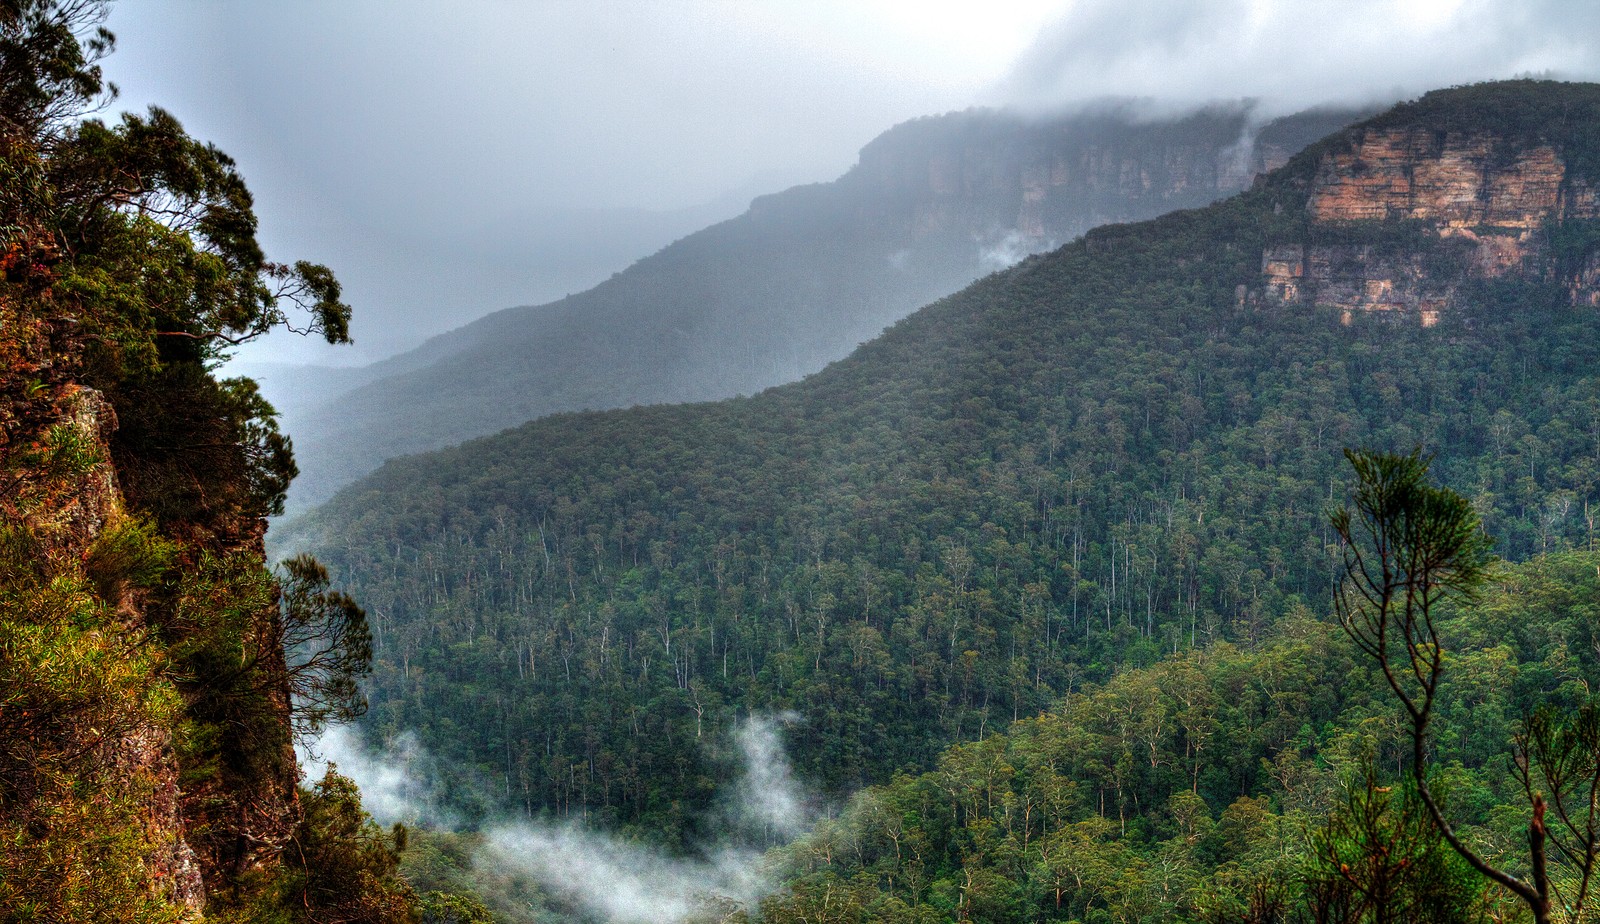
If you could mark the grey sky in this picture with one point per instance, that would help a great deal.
(1295, 53)
(453, 159)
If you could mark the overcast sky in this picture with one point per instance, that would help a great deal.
(448, 160)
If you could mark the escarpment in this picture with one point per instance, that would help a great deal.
(1040, 183)
(803, 277)
(1460, 204)
(1453, 180)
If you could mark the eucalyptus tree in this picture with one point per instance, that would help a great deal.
(1408, 548)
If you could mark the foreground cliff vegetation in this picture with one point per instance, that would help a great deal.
(146, 763)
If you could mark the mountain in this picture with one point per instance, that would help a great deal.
(1112, 453)
(795, 282)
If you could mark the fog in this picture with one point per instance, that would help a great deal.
(448, 164)
(506, 153)
(397, 781)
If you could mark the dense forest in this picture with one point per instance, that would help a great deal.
(1226, 783)
(1116, 453)
(1260, 783)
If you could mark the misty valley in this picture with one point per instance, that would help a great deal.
(1131, 511)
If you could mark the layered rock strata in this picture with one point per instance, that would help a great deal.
(1492, 203)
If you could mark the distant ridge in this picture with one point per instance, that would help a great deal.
(794, 283)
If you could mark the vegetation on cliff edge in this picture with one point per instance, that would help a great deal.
(145, 695)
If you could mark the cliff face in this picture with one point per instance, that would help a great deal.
(1036, 184)
(63, 493)
(1489, 200)
(1455, 181)
(141, 752)
(123, 783)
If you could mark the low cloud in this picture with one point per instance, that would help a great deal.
(395, 781)
(1296, 54)
(1003, 251)
(624, 883)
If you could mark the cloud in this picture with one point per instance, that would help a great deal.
(769, 803)
(1296, 53)
(395, 781)
(1002, 251)
(624, 883)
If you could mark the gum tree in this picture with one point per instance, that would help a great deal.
(1408, 548)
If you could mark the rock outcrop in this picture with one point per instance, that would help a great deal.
(1485, 202)
(62, 490)
(67, 508)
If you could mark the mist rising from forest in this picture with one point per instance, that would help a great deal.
(609, 877)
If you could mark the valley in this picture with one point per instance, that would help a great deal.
(1102, 462)
(1083, 509)
(797, 281)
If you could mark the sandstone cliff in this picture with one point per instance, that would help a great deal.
(1482, 204)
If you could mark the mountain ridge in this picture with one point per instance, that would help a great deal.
(801, 277)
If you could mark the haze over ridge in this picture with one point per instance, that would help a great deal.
(793, 284)
(444, 193)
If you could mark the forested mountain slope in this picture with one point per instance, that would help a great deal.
(1225, 783)
(797, 281)
(1120, 450)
